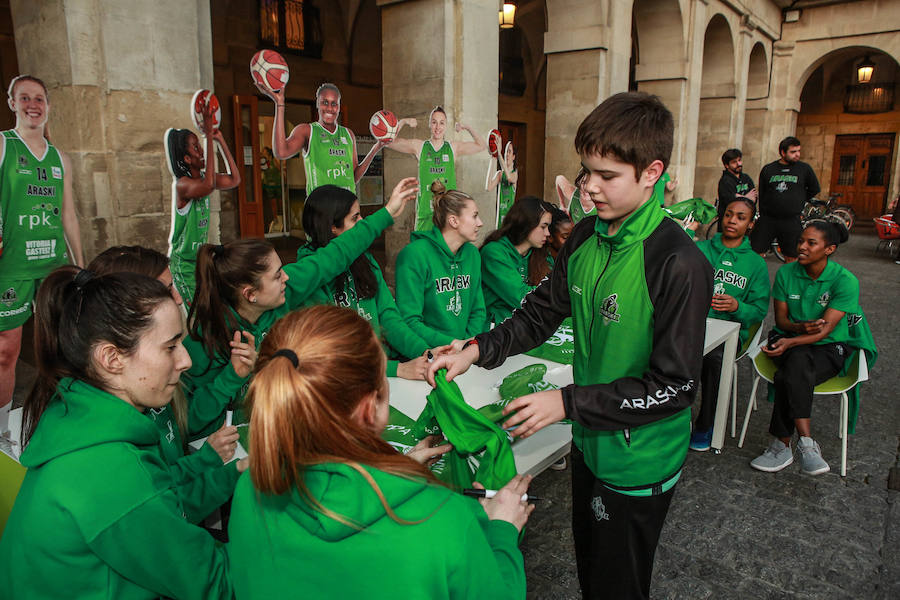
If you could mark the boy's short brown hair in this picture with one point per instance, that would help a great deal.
(634, 127)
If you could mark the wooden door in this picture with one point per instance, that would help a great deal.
(515, 133)
(861, 172)
(246, 145)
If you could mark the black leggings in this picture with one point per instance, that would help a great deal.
(709, 389)
(800, 369)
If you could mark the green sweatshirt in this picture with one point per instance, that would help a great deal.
(211, 383)
(286, 548)
(98, 516)
(741, 273)
(205, 483)
(380, 310)
(439, 292)
(503, 279)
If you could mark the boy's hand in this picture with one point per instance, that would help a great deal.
(534, 412)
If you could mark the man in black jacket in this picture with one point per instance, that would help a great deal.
(784, 187)
(734, 182)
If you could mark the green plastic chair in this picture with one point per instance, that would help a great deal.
(856, 373)
(11, 476)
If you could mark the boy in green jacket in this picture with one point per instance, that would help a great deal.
(637, 290)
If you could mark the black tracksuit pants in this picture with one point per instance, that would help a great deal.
(800, 370)
(709, 388)
(615, 536)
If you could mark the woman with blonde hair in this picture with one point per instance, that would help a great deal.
(329, 509)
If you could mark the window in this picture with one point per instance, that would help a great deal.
(291, 26)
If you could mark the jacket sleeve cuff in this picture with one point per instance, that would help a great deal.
(392, 368)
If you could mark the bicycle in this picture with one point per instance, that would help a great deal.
(821, 209)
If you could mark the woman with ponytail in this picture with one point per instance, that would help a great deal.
(242, 289)
(98, 496)
(329, 213)
(330, 510)
(514, 258)
(194, 178)
(207, 482)
(439, 273)
(812, 297)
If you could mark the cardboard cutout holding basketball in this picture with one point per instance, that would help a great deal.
(329, 149)
(437, 158)
(505, 177)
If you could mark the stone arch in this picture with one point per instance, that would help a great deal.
(717, 100)
(755, 109)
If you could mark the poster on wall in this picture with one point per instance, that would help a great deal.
(370, 189)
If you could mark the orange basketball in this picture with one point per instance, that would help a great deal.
(495, 141)
(269, 70)
(200, 99)
(383, 125)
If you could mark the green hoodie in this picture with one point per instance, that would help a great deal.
(286, 548)
(741, 273)
(503, 278)
(211, 383)
(204, 482)
(380, 310)
(97, 515)
(439, 292)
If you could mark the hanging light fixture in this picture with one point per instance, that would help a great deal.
(508, 15)
(864, 70)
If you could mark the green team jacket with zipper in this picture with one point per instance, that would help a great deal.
(287, 548)
(638, 300)
(211, 383)
(439, 292)
(380, 310)
(741, 273)
(99, 514)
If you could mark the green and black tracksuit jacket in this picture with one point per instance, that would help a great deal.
(638, 300)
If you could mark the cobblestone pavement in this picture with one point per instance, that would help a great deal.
(733, 532)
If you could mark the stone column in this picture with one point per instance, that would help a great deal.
(440, 52)
(588, 45)
(119, 74)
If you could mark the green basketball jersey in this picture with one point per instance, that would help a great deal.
(576, 211)
(506, 195)
(31, 197)
(433, 165)
(190, 229)
(329, 158)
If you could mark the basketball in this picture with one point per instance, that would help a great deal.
(198, 102)
(269, 70)
(495, 141)
(383, 126)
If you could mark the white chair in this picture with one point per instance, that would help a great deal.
(752, 342)
(857, 373)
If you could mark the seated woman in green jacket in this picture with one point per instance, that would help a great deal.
(242, 289)
(207, 482)
(812, 297)
(439, 273)
(98, 497)
(330, 510)
(330, 212)
(740, 294)
(514, 258)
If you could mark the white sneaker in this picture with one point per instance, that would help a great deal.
(811, 461)
(776, 457)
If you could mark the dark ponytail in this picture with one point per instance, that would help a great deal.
(176, 141)
(833, 230)
(222, 271)
(74, 311)
(133, 259)
(325, 208)
(524, 215)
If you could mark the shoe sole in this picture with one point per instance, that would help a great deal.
(819, 471)
(773, 469)
(700, 449)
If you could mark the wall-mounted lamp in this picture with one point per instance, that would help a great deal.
(508, 15)
(864, 70)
